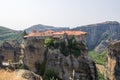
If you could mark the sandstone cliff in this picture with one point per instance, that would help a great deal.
(113, 61)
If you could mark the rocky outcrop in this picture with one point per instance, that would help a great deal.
(113, 61)
(52, 62)
(33, 52)
(70, 67)
(10, 50)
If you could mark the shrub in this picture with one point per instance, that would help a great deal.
(24, 33)
(51, 43)
(76, 52)
(48, 42)
(40, 68)
(55, 44)
(63, 48)
(21, 66)
(50, 73)
(73, 48)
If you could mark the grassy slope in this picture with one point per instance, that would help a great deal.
(8, 34)
(99, 58)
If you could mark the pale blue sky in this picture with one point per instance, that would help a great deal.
(20, 14)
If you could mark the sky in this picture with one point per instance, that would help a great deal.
(21, 14)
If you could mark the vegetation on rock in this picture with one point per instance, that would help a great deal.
(63, 48)
(72, 48)
(49, 42)
(24, 33)
(99, 58)
(100, 76)
(40, 68)
(51, 74)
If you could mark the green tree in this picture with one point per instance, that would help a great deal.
(63, 48)
(24, 33)
(73, 48)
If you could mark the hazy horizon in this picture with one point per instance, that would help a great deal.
(21, 14)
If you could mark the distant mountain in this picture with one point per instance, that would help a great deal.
(9, 34)
(44, 27)
(101, 34)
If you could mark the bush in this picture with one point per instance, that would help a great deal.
(63, 48)
(72, 42)
(55, 44)
(76, 52)
(51, 43)
(40, 68)
(47, 42)
(51, 73)
(21, 66)
(73, 47)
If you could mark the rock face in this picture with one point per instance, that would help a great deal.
(70, 67)
(101, 34)
(65, 67)
(10, 50)
(113, 61)
(34, 52)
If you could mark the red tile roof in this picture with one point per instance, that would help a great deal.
(51, 33)
(76, 33)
